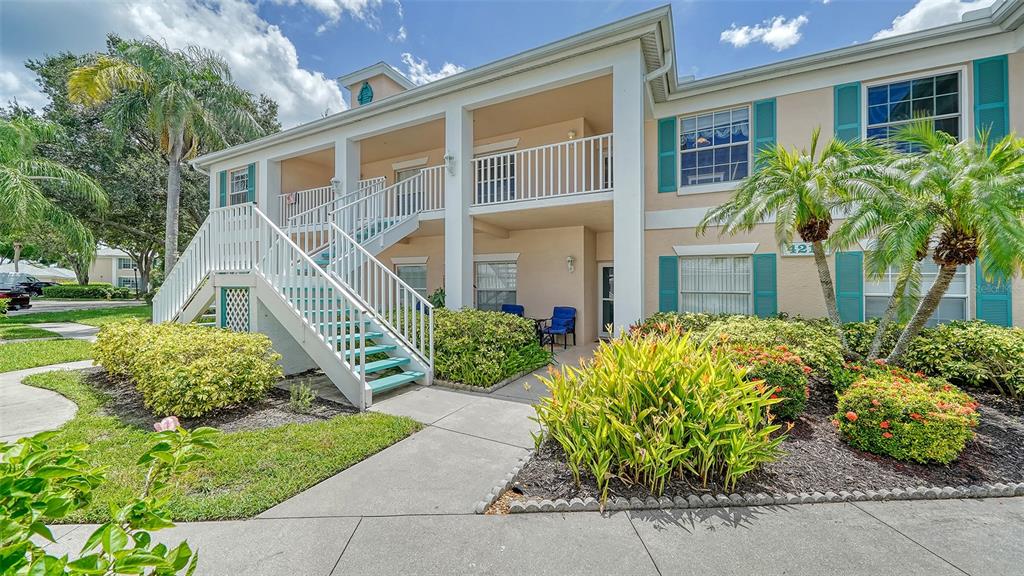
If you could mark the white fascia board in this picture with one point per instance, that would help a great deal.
(409, 260)
(579, 45)
(497, 257)
(744, 249)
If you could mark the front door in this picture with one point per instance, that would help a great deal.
(606, 297)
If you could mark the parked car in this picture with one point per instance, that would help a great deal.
(30, 283)
(18, 297)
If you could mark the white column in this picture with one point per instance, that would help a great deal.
(458, 225)
(347, 165)
(628, 196)
(270, 203)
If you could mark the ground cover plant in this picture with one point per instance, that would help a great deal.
(91, 317)
(22, 355)
(483, 348)
(91, 291)
(187, 369)
(649, 409)
(255, 465)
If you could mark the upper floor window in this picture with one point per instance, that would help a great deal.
(125, 263)
(238, 186)
(714, 147)
(892, 106)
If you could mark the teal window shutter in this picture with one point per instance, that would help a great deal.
(250, 179)
(668, 154)
(991, 97)
(847, 111)
(365, 94)
(766, 302)
(764, 126)
(222, 187)
(668, 284)
(993, 299)
(850, 286)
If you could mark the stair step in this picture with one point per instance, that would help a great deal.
(389, 382)
(207, 324)
(357, 336)
(345, 323)
(376, 349)
(381, 365)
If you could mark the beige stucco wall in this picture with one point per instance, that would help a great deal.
(101, 269)
(543, 280)
(1016, 65)
(300, 174)
(382, 88)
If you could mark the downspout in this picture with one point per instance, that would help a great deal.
(667, 57)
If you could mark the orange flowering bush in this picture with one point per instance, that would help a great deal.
(781, 370)
(907, 417)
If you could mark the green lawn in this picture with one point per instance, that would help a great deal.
(21, 355)
(21, 331)
(93, 317)
(249, 471)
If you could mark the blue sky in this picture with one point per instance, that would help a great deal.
(292, 49)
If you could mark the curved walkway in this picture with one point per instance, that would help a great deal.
(25, 410)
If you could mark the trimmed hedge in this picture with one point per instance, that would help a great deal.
(186, 369)
(3, 305)
(482, 348)
(907, 418)
(94, 291)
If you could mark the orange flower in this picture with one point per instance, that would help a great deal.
(886, 435)
(807, 369)
(835, 423)
(884, 424)
(851, 416)
(875, 402)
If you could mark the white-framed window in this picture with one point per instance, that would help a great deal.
(714, 147)
(125, 263)
(894, 104)
(127, 282)
(238, 186)
(495, 284)
(415, 275)
(953, 305)
(716, 284)
(406, 173)
(496, 179)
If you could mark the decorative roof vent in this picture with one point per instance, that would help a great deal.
(374, 83)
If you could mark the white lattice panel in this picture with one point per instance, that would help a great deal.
(235, 309)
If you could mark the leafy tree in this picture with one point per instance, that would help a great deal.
(800, 189)
(27, 181)
(953, 199)
(184, 100)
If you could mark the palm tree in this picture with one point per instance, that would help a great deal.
(960, 199)
(184, 99)
(801, 189)
(25, 178)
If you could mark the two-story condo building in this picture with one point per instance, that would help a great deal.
(573, 174)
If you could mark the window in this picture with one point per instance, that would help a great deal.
(496, 179)
(127, 282)
(495, 284)
(401, 175)
(415, 275)
(953, 305)
(239, 186)
(892, 106)
(125, 264)
(714, 147)
(716, 284)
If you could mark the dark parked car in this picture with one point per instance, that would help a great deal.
(18, 296)
(30, 283)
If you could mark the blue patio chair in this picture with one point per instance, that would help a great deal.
(563, 321)
(516, 309)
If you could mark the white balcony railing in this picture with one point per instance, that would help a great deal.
(370, 215)
(294, 203)
(574, 167)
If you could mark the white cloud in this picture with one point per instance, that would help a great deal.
(335, 9)
(418, 69)
(17, 84)
(929, 14)
(399, 36)
(779, 33)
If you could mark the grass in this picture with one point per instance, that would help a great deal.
(22, 355)
(93, 317)
(21, 331)
(249, 471)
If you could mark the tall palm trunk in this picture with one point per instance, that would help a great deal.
(886, 319)
(828, 290)
(173, 202)
(17, 255)
(924, 311)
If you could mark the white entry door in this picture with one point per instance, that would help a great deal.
(605, 297)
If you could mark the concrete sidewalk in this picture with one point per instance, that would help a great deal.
(928, 538)
(25, 410)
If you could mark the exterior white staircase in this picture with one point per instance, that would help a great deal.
(369, 336)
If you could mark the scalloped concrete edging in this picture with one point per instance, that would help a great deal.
(531, 505)
(501, 486)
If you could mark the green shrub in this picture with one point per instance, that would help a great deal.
(483, 348)
(816, 346)
(301, 397)
(662, 323)
(3, 305)
(973, 354)
(782, 372)
(186, 369)
(647, 408)
(94, 291)
(906, 418)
